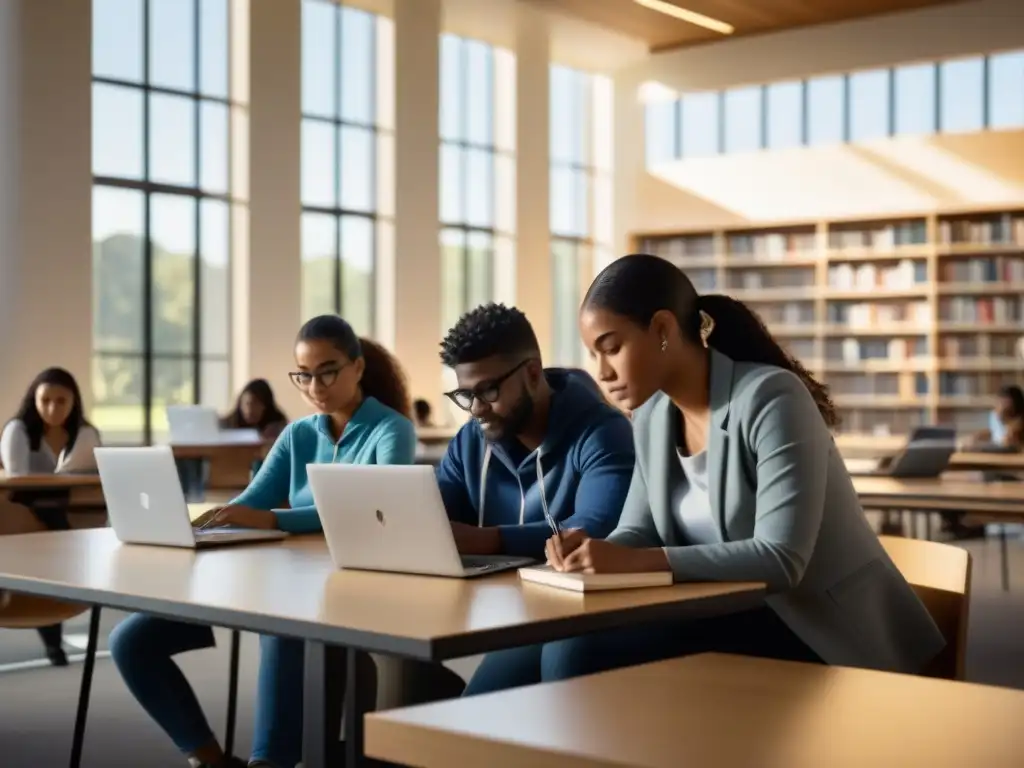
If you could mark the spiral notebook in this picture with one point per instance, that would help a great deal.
(594, 582)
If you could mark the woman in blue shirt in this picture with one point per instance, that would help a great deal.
(359, 392)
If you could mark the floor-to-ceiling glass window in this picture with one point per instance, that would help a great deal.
(347, 146)
(580, 196)
(477, 172)
(161, 218)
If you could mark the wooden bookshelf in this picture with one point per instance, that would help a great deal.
(910, 320)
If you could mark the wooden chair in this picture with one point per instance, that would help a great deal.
(941, 576)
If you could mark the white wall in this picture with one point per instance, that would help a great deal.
(875, 178)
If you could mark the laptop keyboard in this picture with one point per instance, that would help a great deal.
(485, 562)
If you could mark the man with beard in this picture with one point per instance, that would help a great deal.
(539, 438)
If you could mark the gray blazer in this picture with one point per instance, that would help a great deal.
(789, 517)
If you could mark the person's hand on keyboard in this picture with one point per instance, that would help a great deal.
(237, 516)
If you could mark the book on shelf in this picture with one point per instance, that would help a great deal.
(1000, 229)
(594, 582)
(1008, 269)
(998, 310)
(882, 238)
(773, 246)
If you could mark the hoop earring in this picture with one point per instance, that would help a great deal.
(707, 327)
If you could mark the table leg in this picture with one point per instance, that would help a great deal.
(355, 710)
(1003, 556)
(315, 731)
(928, 525)
(78, 739)
(229, 725)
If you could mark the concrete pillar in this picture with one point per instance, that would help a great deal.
(415, 263)
(266, 163)
(534, 274)
(45, 193)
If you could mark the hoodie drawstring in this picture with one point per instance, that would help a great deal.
(522, 492)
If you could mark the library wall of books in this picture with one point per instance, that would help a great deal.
(909, 321)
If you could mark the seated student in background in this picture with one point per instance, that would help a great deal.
(257, 409)
(359, 392)
(424, 413)
(737, 479)
(1006, 421)
(49, 434)
(537, 436)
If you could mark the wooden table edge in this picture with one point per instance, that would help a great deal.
(434, 649)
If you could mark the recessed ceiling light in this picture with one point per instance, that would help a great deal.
(689, 16)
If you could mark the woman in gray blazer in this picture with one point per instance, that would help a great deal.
(737, 478)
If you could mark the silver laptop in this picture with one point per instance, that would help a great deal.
(193, 424)
(391, 518)
(146, 504)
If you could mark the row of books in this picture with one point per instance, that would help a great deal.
(853, 351)
(676, 248)
(973, 384)
(972, 346)
(881, 421)
(786, 313)
(982, 310)
(882, 384)
(874, 315)
(999, 229)
(1009, 269)
(883, 238)
(965, 421)
(906, 274)
(755, 279)
(773, 246)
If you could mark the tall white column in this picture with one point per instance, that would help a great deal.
(266, 163)
(629, 158)
(416, 266)
(45, 193)
(534, 274)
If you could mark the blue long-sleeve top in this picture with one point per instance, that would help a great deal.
(376, 434)
(584, 465)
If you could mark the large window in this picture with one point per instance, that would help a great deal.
(347, 138)
(161, 211)
(477, 173)
(580, 196)
(954, 96)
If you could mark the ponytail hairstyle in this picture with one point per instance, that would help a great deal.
(383, 377)
(638, 286)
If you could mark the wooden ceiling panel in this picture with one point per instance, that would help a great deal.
(662, 32)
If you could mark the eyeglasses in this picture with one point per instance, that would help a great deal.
(488, 392)
(303, 380)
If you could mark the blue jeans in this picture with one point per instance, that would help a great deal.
(142, 647)
(757, 632)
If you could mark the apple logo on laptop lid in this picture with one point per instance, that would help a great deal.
(144, 500)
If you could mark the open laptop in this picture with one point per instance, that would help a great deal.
(146, 504)
(193, 424)
(391, 518)
(926, 454)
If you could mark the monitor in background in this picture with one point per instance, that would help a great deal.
(193, 424)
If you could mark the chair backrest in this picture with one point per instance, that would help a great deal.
(941, 576)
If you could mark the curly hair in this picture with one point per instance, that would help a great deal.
(638, 286)
(384, 378)
(488, 330)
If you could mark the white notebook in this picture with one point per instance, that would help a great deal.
(594, 582)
